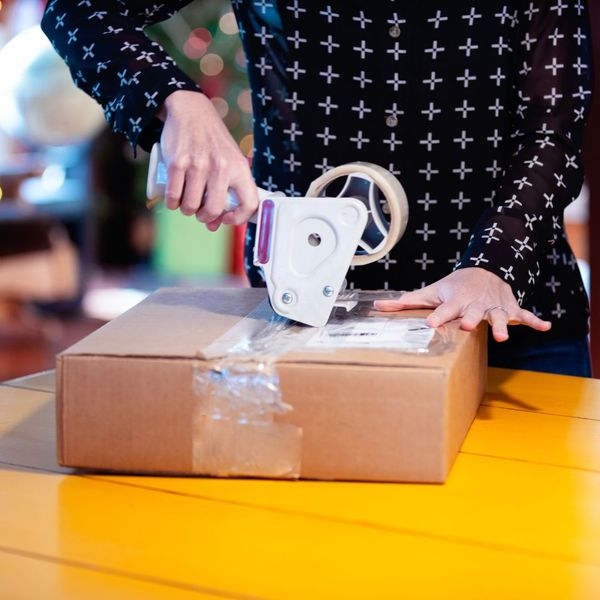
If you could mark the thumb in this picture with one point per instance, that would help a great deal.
(423, 298)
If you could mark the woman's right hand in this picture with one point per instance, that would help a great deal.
(201, 156)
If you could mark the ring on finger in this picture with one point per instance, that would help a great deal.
(496, 307)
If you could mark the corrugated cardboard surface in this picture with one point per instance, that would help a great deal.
(126, 400)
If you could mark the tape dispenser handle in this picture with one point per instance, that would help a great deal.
(157, 182)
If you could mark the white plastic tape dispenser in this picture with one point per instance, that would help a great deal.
(353, 214)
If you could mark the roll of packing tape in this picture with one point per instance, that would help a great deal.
(370, 183)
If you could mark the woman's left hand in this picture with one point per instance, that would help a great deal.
(473, 295)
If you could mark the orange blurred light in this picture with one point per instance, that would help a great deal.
(247, 145)
(244, 101)
(211, 64)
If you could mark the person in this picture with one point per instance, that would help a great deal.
(478, 107)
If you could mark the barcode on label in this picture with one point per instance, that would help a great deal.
(353, 333)
(402, 334)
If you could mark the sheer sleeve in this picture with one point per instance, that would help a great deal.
(551, 98)
(110, 58)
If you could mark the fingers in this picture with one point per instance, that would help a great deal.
(498, 319)
(472, 316)
(247, 194)
(193, 191)
(202, 191)
(388, 305)
(174, 188)
(474, 295)
(444, 313)
(526, 317)
(214, 225)
(200, 159)
(423, 298)
(213, 203)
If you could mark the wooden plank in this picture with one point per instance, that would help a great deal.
(544, 393)
(487, 501)
(45, 381)
(25, 577)
(541, 438)
(489, 487)
(242, 550)
(495, 516)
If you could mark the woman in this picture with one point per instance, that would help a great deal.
(477, 106)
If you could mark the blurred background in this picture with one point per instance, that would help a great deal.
(77, 244)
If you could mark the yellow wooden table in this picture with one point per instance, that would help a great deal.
(518, 518)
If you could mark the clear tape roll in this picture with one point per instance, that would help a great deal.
(389, 187)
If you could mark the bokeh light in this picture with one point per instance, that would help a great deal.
(244, 101)
(228, 24)
(211, 64)
(221, 106)
(203, 34)
(191, 51)
(247, 145)
(213, 56)
(197, 43)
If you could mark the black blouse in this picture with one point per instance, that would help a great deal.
(477, 106)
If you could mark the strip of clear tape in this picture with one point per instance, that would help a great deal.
(239, 427)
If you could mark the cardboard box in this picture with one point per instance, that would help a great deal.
(136, 396)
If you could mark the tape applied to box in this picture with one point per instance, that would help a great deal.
(235, 431)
